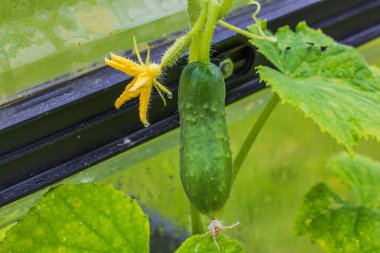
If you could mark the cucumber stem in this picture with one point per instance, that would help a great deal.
(193, 9)
(206, 36)
(196, 221)
(251, 137)
(194, 48)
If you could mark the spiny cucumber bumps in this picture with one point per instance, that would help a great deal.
(205, 156)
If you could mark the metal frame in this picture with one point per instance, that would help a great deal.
(72, 126)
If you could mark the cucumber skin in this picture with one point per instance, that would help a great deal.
(205, 155)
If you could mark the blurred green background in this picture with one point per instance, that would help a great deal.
(288, 157)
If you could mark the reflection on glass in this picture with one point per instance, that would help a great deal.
(41, 40)
(46, 42)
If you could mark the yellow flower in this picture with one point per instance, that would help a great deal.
(145, 77)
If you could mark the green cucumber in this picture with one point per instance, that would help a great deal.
(205, 156)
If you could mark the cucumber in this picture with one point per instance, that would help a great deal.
(205, 156)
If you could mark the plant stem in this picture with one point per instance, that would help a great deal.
(243, 152)
(245, 33)
(206, 38)
(181, 44)
(193, 50)
(196, 221)
(194, 7)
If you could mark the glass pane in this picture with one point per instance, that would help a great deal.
(45, 42)
(42, 40)
(371, 51)
(288, 158)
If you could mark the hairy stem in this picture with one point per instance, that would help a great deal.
(193, 10)
(180, 46)
(251, 137)
(196, 221)
(194, 48)
(206, 38)
(196, 39)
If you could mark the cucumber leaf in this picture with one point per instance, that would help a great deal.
(81, 218)
(330, 82)
(361, 174)
(336, 225)
(206, 245)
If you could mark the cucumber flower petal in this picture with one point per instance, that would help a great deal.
(145, 77)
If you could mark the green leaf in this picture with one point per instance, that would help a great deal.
(196, 244)
(81, 218)
(331, 83)
(336, 225)
(361, 174)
